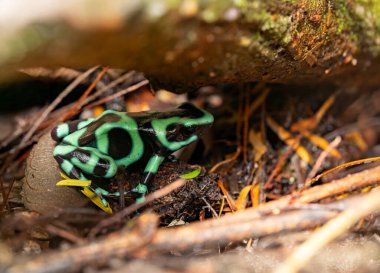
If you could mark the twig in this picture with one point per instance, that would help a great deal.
(260, 100)
(112, 84)
(239, 121)
(57, 100)
(370, 203)
(320, 160)
(287, 137)
(218, 231)
(349, 183)
(251, 223)
(236, 228)
(226, 161)
(117, 217)
(37, 123)
(246, 127)
(346, 165)
(64, 234)
(118, 244)
(233, 227)
(227, 196)
(362, 124)
(78, 104)
(280, 163)
(118, 94)
(208, 205)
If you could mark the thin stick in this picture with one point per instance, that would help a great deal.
(228, 160)
(239, 120)
(200, 233)
(78, 104)
(38, 122)
(118, 94)
(57, 100)
(115, 245)
(346, 165)
(112, 84)
(64, 234)
(370, 203)
(246, 127)
(116, 218)
(280, 163)
(349, 183)
(320, 160)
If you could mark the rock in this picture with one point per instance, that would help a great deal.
(39, 191)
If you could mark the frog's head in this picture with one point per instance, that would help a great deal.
(183, 127)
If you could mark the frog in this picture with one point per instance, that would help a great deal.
(96, 148)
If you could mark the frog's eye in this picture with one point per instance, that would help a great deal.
(187, 131)
(184, 133)
(179, 132)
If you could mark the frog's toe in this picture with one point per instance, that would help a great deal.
(141, 188)
(97, 199)
(74, 183)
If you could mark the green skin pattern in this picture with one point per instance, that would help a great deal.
(97, 148)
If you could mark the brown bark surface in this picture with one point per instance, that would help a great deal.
(182, 45)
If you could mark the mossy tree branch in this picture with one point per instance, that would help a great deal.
(190, 43)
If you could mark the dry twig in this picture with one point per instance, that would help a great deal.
(118, 94)
(320, 160)
(116, 218)
(220, 231)
(118, 244)
(368, 204)
(251, 223)
(57, 100)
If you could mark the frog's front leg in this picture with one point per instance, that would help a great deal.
(79, 162)
(151, 169)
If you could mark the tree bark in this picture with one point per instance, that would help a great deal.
(181, 45)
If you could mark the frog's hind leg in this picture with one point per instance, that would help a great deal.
(79, 162)
(64, 129)
(69, 169)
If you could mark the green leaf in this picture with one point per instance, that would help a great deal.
(191, 175)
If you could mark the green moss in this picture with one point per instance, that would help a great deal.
(367, 22)
(273, 25)
(214, 10)
(27, 39)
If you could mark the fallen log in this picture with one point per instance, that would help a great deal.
(182, 45)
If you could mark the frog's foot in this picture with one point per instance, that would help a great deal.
(96, 196)
(172, 158)
(67, 181)
(141, 189)
(150, 171)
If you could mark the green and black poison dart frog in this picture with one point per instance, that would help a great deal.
(96, 148)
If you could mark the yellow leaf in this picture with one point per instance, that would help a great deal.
(255, 195)
(258, 102)
(322, 143)
(96, 200)
(285, 136)
(241, 202)
(357, 138)
(259, 147)
(229, 199)
(312, 123)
